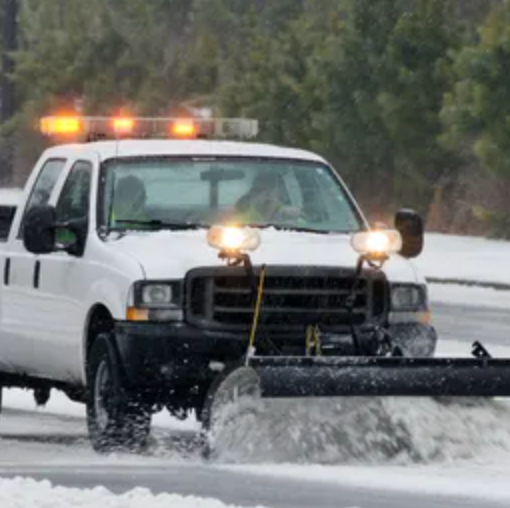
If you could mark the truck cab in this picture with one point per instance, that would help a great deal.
(112, 293)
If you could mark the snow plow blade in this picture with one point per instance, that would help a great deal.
(287, 377)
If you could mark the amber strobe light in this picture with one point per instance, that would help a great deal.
(123, 125)
(183, 129)
(60, 125)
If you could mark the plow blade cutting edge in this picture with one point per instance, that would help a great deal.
(284, 377)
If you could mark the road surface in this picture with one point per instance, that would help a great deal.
(242, 489)
(55, 448)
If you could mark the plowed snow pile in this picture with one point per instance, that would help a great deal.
(25, 493)
(362, 431)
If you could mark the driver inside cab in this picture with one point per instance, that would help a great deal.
(129, 204)
(262, 204)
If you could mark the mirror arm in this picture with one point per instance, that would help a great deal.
(74, 248)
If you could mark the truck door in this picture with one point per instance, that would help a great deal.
(20, 320)
(61, 285)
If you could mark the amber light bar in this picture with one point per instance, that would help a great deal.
(95, 127)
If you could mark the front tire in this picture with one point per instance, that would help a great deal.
(115, 420)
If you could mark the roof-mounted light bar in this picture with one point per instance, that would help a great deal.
(95, 127)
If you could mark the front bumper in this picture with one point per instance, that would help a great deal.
(158, 352)
(180, 354)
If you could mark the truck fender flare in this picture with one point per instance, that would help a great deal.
(113, 353)
(86, 339)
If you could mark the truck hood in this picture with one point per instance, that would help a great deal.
(170, 255)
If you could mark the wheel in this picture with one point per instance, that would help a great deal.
(115, 420)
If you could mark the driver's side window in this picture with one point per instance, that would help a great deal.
(74, 200)
(43, 187)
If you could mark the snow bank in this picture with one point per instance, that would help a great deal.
(25, 493)
(465, 257)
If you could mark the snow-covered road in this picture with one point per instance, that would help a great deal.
(400, 453)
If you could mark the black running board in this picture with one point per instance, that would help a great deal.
(282, 377)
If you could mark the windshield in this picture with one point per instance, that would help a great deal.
(156, 193)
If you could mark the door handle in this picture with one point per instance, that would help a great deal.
(37, 274)
(7, 271)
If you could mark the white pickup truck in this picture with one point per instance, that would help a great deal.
(112, 293)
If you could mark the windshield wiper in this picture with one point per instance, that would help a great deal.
(285, 227)
(159, 224)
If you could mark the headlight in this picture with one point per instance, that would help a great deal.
(377, 244)
(157, 294)
(164, 294)
(408, 297)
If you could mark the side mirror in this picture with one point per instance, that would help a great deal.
(39, 231)
(410, 225)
